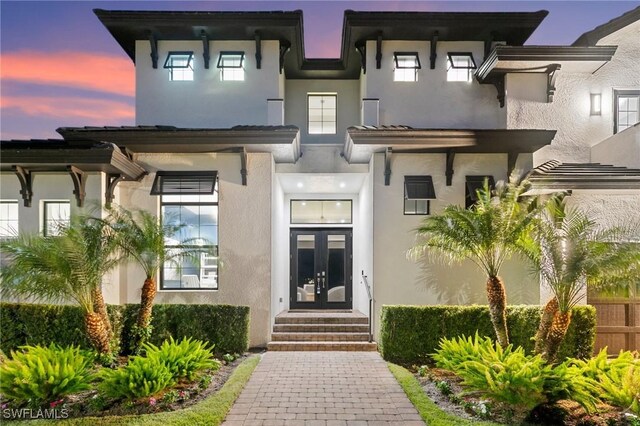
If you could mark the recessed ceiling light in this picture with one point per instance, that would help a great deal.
(342, 184)
(342, 220)
(300, 185)
(338, 204)
(304, 203)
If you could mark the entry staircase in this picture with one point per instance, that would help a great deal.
(298, 330)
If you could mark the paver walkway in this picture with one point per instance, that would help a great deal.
(322, 388)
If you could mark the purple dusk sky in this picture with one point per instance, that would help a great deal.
(60, 66)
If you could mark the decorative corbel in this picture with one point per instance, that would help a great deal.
(79, 179)
(362, 50)
(111, 181)
(26, 184)
(284, 48)
(379, 51)
(387, 166)
(434, 45)
(451, 155)
(205, 49)
(498, 82)
(154, 50)
(552, 74)
(243, 164)
(258, 50)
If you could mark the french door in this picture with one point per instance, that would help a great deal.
(321, 275)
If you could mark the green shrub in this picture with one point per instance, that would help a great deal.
(454, 352)
(142, 376)
(43, 374)
(408, 334)
(183, 359)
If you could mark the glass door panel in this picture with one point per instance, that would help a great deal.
(306, 267)
(336, 267)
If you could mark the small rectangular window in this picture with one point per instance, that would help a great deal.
(231, 66)
(472, 185)
(418, 191)
(8, 219)
(627, 109)
(406, 66)
(460, 66)
(57, 216)
(321, 212)
(180, 66)
(322, 114)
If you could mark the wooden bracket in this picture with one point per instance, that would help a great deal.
(512, 158)
(451, 155)
(362, 50)
(154, 50)
(205, 49)
(434, 45)
(79, 179)
(243, 164)
(258, 50)
(552, 74)
(284, 48)
(111, 181)
(26, 184)
(498, 82)
(379, 51)
(387, 166)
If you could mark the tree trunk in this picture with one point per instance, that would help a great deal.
(497, 309)
(100, 308)
(97, 332)
(550, 310)
(146, 303)
(559, 326)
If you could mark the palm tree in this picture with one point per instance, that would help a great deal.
(487, 234)
(65, 268)
(573, 252)
(142, 238)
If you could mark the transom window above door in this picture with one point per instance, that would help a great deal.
(321, 212)
(322, 113)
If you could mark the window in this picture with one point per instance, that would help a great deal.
(322, 113)
(190, 200)
(460, 66)
(231, 66)
(57, 216)
(473, 184)
(418, 190)
(180, 66)
(406, 66)
(321, 211)
(8, 219)
(627, 109)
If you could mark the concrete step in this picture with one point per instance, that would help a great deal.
(321, 328)
(293, 317)
(320, 337)
(323, 346)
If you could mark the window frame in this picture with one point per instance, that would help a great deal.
(452, 66)
(335, 122)
(45, 218)
(189, 65)
(9, 220)
(220, 65)
(209, 174)
(397, 66)
(617, 93)
(407, 179)
(308, 200)
(468, 196)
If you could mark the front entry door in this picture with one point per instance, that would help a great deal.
(321, 276)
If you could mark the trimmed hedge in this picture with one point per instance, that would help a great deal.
(34, 324)
(409, 334)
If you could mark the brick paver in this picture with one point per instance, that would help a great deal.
(322, 388)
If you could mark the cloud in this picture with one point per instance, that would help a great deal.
(92, 71)
(90, 110)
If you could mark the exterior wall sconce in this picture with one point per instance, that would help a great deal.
(596, 104)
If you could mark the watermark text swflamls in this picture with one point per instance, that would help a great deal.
(32, 414)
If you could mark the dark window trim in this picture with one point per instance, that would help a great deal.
(414, 54)
(470, 197)
(616, 94)
(230, 53)
(335, 200)
(45, 218)
(335, 95)
(208, 174)
(176, 53)
(450, 56)
(418, 178)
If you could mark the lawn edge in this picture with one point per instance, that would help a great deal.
(428, 410)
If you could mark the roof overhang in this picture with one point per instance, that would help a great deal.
(554, 176)
(282, 141)
(591, 38)
(517, 59)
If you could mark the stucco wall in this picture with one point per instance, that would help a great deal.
(244, 234)
(207, 101)
(621, 149)
(398, 280)
(279, 251)
(569, 112)
(348, 107)
(432, 101)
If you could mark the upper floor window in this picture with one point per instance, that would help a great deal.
(405, 66)
(473, 184)
(231, 66)
(322, 113)
(8, 218)
(460, 66)
(627, 109)
(57, 216)
(418, 191)
(180, 66)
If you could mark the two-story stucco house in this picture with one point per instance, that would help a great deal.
(307, 175)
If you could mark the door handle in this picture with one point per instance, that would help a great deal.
(323, 283)
(318, 284)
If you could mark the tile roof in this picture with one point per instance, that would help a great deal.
(565, 176)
